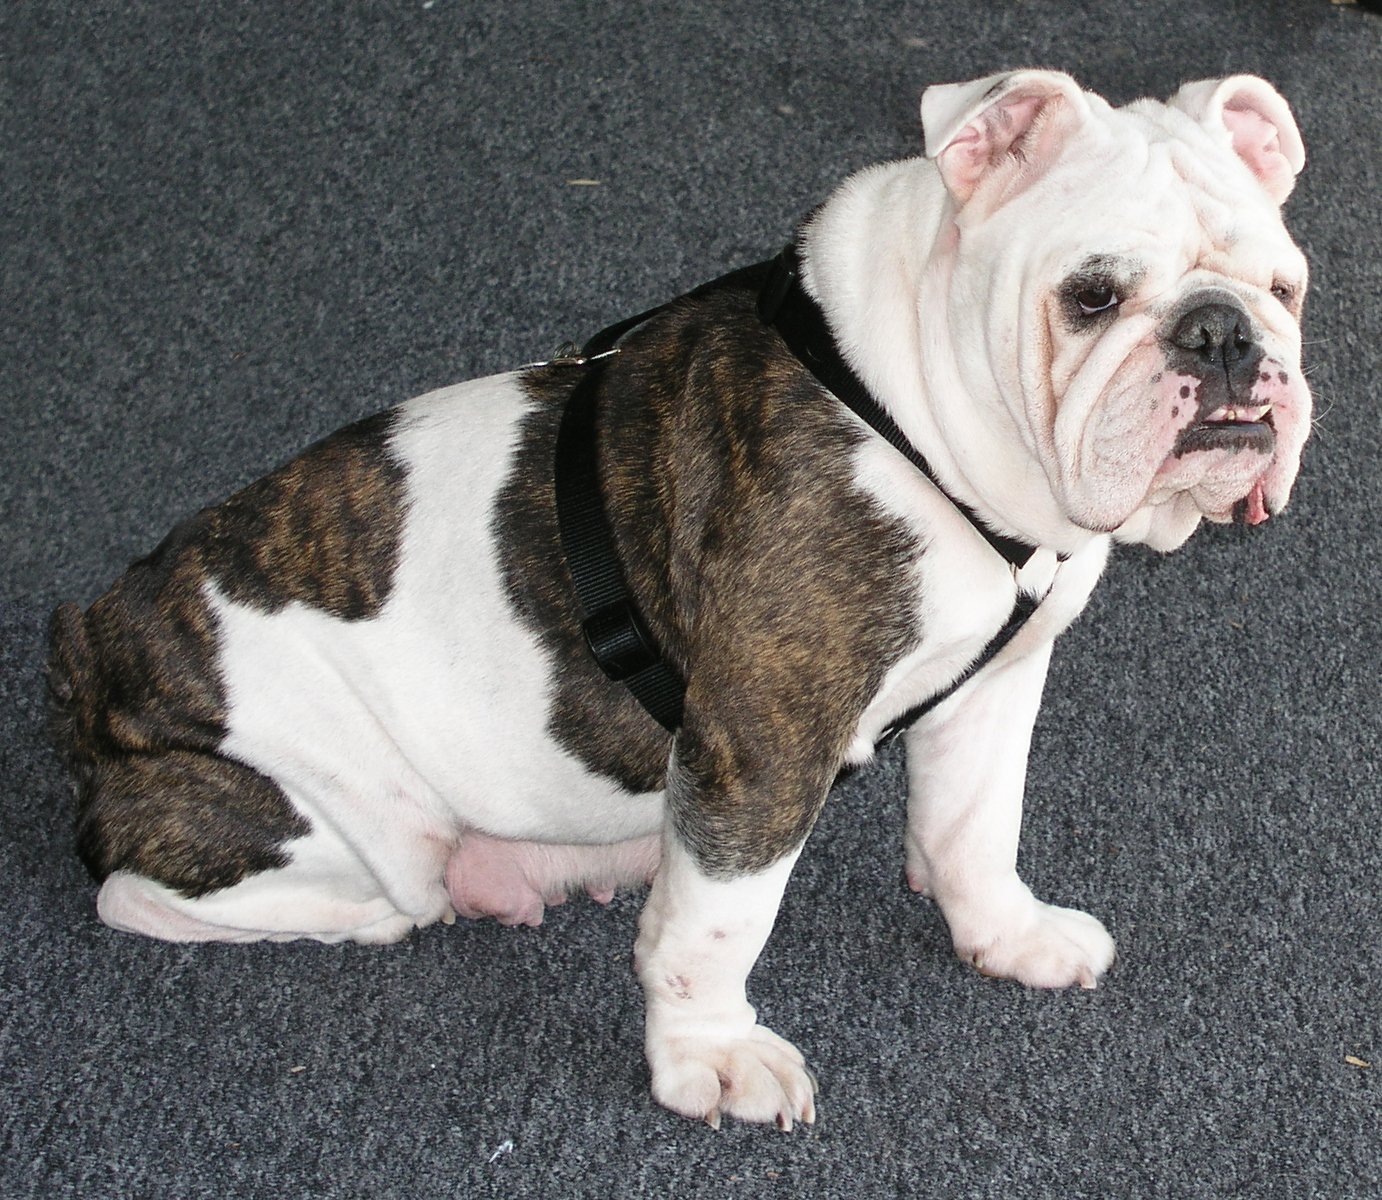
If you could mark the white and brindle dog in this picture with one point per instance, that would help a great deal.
(354, 698)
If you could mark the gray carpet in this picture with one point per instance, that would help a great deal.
(230, 228)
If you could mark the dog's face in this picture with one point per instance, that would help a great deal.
(1142, 295)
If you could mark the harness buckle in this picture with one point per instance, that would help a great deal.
(570, 355)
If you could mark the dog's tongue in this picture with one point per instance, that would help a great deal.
(1255, 506)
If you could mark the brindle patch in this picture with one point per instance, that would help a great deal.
(778, 590)
(323, 530)
(137, 702)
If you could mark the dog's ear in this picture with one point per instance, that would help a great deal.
(1012, 123)
(1258, 123)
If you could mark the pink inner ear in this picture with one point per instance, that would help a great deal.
(983, 143)
(967, 156)
(1016, 117)
(1258, 143)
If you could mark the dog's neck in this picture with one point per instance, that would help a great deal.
(865, 256)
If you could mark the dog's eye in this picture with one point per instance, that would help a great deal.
(1284, 292)
(1096, 299)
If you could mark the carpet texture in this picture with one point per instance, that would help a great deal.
(231, 228)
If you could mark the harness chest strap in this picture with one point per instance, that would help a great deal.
(614, 631)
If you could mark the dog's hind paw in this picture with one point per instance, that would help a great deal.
(516, 882)
(1043, 946)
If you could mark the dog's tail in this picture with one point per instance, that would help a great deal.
(70, 669)
(73, 685)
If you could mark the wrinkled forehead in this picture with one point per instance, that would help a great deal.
(1152, 190)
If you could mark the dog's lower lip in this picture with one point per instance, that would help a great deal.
(1210, 434)
(1212, 425)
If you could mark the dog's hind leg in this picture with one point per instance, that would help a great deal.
(196, 846)
(263, 909)
(515, 882)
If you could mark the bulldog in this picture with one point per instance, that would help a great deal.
(362, 695)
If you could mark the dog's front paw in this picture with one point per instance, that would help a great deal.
(1037, 944)
(756, 1076)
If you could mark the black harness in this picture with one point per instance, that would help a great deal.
(615, 632)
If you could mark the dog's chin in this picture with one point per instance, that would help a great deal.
(1163, 526)
(1231, 485)
(1169, 514)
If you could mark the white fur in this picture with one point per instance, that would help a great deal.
(967, 765)
(698, 939)
(919, 292)
(964, 590)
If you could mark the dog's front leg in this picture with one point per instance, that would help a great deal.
(967, 766)
(727, 855)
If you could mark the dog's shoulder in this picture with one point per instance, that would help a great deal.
(744, 531)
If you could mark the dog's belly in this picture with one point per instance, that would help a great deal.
(394, 734)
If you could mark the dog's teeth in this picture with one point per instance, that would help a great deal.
(1231, 414)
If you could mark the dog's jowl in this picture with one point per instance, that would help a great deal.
(357, 697)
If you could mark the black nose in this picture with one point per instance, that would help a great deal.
(1216, 333)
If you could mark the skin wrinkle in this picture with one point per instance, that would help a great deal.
(1001, 285)
(1084, 449)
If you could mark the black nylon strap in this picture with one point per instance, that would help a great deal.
(1022, 611)
(614, 631)
(785, 305)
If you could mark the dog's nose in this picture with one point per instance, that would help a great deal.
(1217, 333)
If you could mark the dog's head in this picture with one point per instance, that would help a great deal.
(1138, 295)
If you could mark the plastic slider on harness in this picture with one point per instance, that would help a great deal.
(619, 642)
